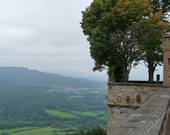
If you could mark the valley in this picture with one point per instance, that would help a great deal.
(51, 108)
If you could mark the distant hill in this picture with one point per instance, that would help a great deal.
(30, 98)
(25, 77)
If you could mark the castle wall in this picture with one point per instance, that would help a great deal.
(130, 94)
(152, 118)
(166, 50)
(124, 99)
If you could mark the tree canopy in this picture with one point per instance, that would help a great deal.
(150, 34)
(114, 29)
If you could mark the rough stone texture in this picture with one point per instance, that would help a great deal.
(166, 50)
(124, 99)
(151, 119)
(117, 116)
(130, 94)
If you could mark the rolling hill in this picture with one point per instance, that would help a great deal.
(30, 98)
(25, 77)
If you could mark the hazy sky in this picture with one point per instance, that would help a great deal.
(46, 35)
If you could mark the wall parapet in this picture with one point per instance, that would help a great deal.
(131, 93)
(138, 83)
(126, 98)
(150, 119)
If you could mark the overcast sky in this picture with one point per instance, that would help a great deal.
(46, 35)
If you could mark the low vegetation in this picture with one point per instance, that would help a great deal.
(97, 131)
(32, 131)
(51, 131)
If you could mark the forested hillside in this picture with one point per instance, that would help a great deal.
(25, 77)
(35, 99)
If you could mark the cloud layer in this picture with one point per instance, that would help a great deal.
(45, 35)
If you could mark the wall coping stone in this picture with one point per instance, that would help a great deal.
(137, 83)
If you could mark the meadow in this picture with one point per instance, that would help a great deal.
(73, 115)
(32, 131)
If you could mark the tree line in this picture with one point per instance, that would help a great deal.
(122, 33)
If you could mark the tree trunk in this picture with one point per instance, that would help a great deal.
(125, 75)
(151, 70)
(111, 74)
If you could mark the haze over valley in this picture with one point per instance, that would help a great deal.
(30, 98)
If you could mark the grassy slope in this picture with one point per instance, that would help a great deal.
(75, 114)
(90, 113)
(43, 131)
(34, 131)
(61, 114)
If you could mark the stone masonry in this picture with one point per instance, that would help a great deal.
(166, 50)
(151, 119)
(124, 99)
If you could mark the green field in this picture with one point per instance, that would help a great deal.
(90, 113)
(33, 131)
(54, 131)
(75, 114)
(60, 114)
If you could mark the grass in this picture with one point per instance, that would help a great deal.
(75, 114)
(41, 131)
(60, 114)
(90, 113)
(53, 131)
(97, 115)
(34, 131)
(16, 130)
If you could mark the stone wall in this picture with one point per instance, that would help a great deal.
(166, 50)
(150, 116)
(153, 118)
(124, 99)
(130, 94)
(117, 116)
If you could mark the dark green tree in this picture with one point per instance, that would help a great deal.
(111, 28)
(152, 55)
(150, 33)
